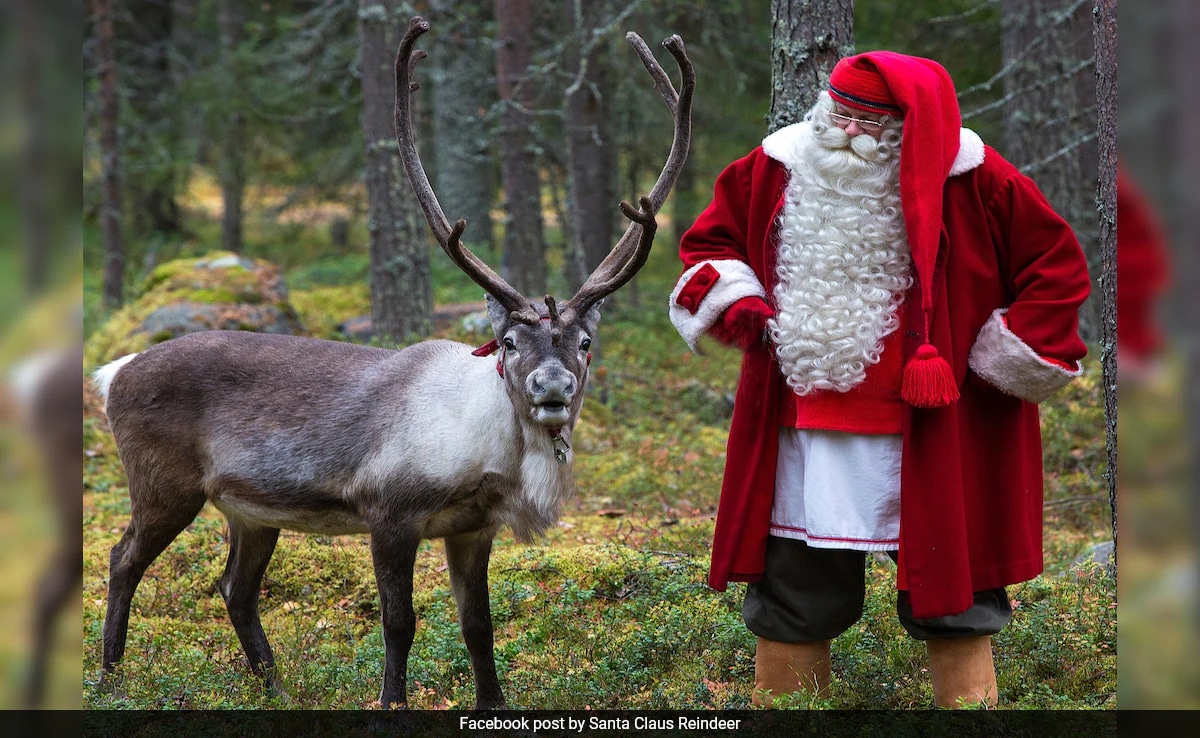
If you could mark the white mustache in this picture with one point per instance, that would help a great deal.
(867, 147)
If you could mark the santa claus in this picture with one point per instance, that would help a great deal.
(904, 298)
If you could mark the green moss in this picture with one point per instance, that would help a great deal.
(215, 295)
(322, 309)
(184, 280)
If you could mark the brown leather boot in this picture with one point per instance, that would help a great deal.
(962, 668)
(783, 668)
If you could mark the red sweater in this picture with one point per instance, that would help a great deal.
(874, 406)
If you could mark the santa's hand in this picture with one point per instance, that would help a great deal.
(743, 324)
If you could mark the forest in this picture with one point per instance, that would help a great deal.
(240, 171)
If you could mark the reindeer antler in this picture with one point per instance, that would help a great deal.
(631, 251)
(448, 238)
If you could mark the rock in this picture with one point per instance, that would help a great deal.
(1102, 554)
(219, 291)
(226, 261)
(172, 321)
(477, 323)
(357, 329)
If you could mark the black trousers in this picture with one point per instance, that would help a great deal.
(815, 594)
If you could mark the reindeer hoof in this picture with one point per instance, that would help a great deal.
(112, 683)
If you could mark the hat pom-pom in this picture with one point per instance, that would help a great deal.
(928, 379)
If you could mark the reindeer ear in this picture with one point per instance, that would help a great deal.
(591, 321)
(499, 315)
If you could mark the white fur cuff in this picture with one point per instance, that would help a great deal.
(736, 280)
(1009, 363)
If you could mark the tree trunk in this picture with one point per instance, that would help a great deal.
(1050, 116)
(591, 152)
(524, 262)
(401, 294)
(145, 30)
(110, 209)
(231, 19)
(1181, 181)
(35, 154)
(465, 174)
(183, 49)
(807, 39)
(1106, 202)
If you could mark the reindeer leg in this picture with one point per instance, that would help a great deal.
(467, 557)
(149, 533)
(250, 549)
(59, 580)
(394, 553)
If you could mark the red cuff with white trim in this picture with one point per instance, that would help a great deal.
(697, 288)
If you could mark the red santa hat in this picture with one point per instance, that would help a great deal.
(922, 93)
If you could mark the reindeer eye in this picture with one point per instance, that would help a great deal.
(509, 344)
(585, 344)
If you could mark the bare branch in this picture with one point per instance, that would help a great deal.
(1029, 169)
(985, 5)
(1058, 19)
(1041, 84)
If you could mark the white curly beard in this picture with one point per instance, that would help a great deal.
(843, 261)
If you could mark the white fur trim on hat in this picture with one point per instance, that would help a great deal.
(970, 152)
(783, 147)
(736, 280)
(1014, 368)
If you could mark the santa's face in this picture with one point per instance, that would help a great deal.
(858, 122)
(848, 133)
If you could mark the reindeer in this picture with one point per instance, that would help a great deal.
(45, 388)
(316, 436)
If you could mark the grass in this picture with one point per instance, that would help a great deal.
(611, 610)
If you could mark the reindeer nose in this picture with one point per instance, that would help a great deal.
(552, 386)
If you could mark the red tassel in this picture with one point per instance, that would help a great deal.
(928, 380)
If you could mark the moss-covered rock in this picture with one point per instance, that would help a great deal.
(219, 291)
(324, 309)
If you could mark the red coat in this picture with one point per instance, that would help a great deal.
(971, 477)
(1141, 272)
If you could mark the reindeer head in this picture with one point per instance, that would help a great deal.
(545, 364)
(545, 349)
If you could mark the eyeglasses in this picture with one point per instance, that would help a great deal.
(870, 126)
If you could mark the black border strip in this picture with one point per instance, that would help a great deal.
(864, 101)
(772, 724)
